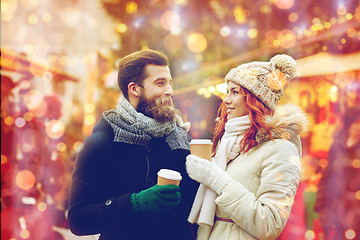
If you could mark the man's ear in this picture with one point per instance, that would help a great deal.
(134, 89)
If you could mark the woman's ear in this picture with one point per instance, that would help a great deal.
(134, 89)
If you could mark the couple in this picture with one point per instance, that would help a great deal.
(252, 178)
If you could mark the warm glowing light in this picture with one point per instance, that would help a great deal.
(327, 25)
(34, 2)
(351, 32)
(334, 94)
(8, 6)
(33, 19)
(20, 122)
(89, 108)
(46, 17)
(285, 4)
(169, 20)
(276, 43)
(173, 43)
(349, 16)
(357, 195)
(131, 7)
(333, 21)
(309, 235)
(225, 31)
(341, 10)
(270, 37)
(343, 40)
(70, 17)
(9, 120)
(26, 147)
(55, 129)
(181, 2)
(61, 147)
(24, 234)
(201, 91)
(240, 15)
(287, 38)
(121, 28)
(77, 146)
(28, 116)
(197, 42)
(42, 206)
(356, 163)
(252, 33)
(3, 159)
(350, 234)
(89, 119)
(323, 163)
(265, 9)
(293, 17)
(25, 179)
(324, 48)
(211, 89)
(34, 102)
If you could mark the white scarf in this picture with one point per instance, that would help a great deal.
(204, 206)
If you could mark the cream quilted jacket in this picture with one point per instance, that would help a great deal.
(259, 198)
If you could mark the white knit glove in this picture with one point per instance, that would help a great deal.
(207, 173)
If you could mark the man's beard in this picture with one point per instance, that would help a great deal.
(161, 109)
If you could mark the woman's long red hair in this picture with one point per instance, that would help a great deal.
(257, 112)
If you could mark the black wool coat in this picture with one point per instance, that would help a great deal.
(107, 173)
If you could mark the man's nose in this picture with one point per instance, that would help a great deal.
(169, 91)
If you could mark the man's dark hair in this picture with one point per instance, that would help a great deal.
(132, 67)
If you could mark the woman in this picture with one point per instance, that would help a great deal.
(255, 171)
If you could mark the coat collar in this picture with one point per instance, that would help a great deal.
(288, 122)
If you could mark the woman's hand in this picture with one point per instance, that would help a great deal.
(207, 173)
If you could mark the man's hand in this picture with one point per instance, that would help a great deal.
(156, 199)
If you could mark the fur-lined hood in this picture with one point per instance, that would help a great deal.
(288, 122)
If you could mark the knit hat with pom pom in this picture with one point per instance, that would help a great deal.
(265, 79)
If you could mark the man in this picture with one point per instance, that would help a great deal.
(114, 189)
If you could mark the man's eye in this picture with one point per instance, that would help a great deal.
(235, 92)
(160, 83)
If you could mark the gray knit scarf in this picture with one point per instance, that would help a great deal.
(134, 127)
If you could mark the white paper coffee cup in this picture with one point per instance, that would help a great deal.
(168, 177)
(201, 148)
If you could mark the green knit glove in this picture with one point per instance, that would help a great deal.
(156, 199)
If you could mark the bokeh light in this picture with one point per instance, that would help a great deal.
(285, 4)
(42, 206)
(3, 159)
(350, 234)
(55, 129)
(121, 27)
(131, 7)
(197, 42)
(24, 234)
(20, 122)
(25, 179)
(309, 235)
(9, 120)
(170, 20)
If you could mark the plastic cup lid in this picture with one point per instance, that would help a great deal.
(169, 174)
(200, 141)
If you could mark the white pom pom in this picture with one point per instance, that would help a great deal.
(285, 64)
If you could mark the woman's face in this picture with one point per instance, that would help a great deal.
(234, 101)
